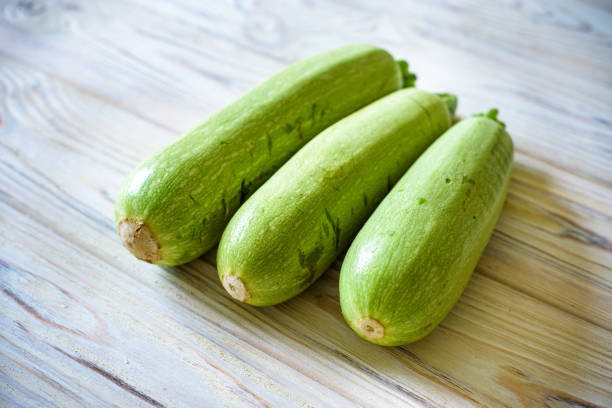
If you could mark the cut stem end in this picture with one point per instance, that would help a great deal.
(139, 239)
(492, 114)
(451, 102)
(370, 328)
(408, 78)
(235, 287)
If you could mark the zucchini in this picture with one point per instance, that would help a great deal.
(414, 256)
(174, 206)
(290, 231)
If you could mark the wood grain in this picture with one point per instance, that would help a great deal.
(85, 97)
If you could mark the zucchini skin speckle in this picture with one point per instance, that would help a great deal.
(414, 256)
(291, 230)
(184, 195)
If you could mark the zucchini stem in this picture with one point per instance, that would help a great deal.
(370, 328)
(235, 287)
(139, 239)
(492, 114)
(408, 78)
(451, 102)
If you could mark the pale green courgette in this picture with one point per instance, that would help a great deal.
(414, 256)
(174, 206)
(290, 231)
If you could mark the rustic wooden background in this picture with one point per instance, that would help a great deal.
(88, 89)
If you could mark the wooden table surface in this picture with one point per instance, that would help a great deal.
(88, 89)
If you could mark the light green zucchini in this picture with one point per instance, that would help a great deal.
(174, 206)
(290, 231)
(414, 256)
